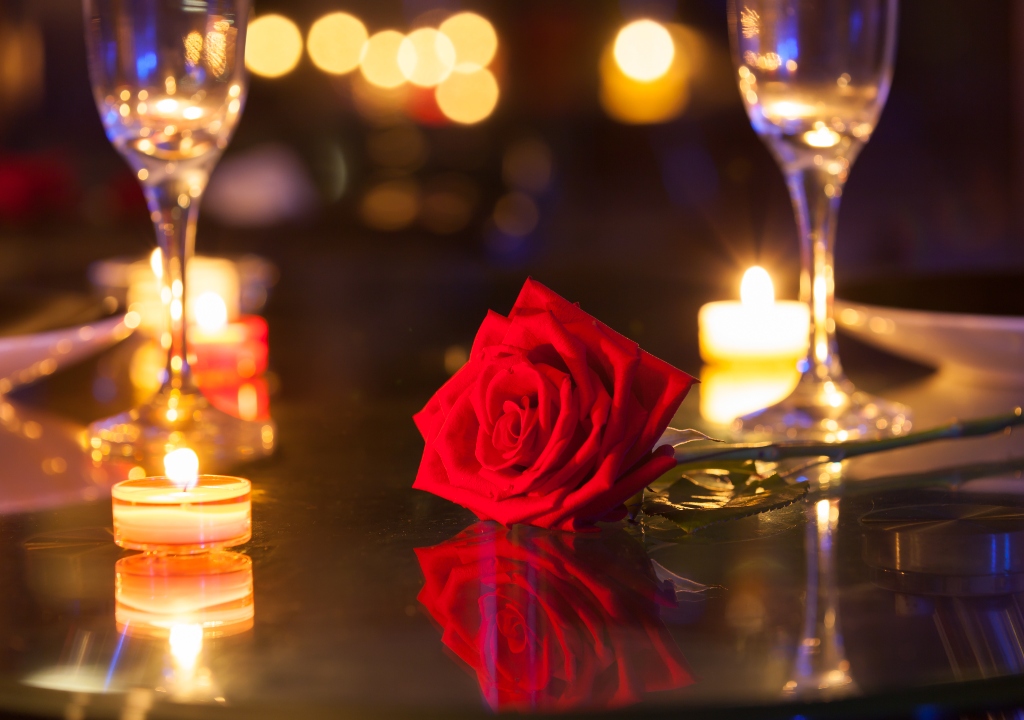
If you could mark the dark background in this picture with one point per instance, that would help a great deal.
(671, 211)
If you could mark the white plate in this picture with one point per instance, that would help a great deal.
(983, 348)
(25, 358)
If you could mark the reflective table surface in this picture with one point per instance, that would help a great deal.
(359, 597)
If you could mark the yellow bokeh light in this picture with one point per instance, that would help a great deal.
(629, 100)
(644, 50)
(426, 57)
(468, 98)
(335, 42)
(379, 61)
(273, 46)
(391, 205)
(474, 40)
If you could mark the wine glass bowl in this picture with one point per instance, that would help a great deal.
(169, 82)
(814, 76)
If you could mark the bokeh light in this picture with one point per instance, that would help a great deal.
(400, 147)
(526, 165)
(516, 214)
(336, 41)
(633, 101)
(644, 50)
(273, 46)
(391, 205)
(379, 61)
(468, 98)
(474, 40)
(448, 203)
(426, 57)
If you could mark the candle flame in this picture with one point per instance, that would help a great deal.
(211, 312)
(821, 136)
(756, 289)
(181, 466)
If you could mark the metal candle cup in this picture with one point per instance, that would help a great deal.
(157, 514)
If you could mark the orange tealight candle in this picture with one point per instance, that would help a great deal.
(183, 512)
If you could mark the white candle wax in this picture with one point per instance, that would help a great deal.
(731, 331)
(155, 514)
(757, 329)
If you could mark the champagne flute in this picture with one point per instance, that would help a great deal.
(169, 81)
(814, 76)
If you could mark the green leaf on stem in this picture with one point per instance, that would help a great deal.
(695, 496)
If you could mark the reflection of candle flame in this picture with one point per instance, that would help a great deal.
(821, 136)
(182, 467)
(186, 643)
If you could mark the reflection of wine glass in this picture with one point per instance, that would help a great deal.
(814, 76)
(821, 669)
(169, 82)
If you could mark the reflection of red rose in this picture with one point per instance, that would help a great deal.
(552, 621)
(553, 420)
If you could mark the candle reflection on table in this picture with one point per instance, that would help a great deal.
(154, 594)
(731, 391)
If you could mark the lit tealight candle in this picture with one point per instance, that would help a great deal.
(158, 595)
(183, 512)
(206, 277)
(223, 351)
(756, 329)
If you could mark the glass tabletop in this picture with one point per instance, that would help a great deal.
(365, 596)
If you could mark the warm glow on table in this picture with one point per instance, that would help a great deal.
(182, 513)
(758, 328)
(184, 597)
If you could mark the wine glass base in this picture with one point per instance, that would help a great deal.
(830, 411)
(174, 419)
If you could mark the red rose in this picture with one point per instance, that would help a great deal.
(553, 420)
(552, 621)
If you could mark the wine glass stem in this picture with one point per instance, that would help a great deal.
(173, 211)
(815, 195)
